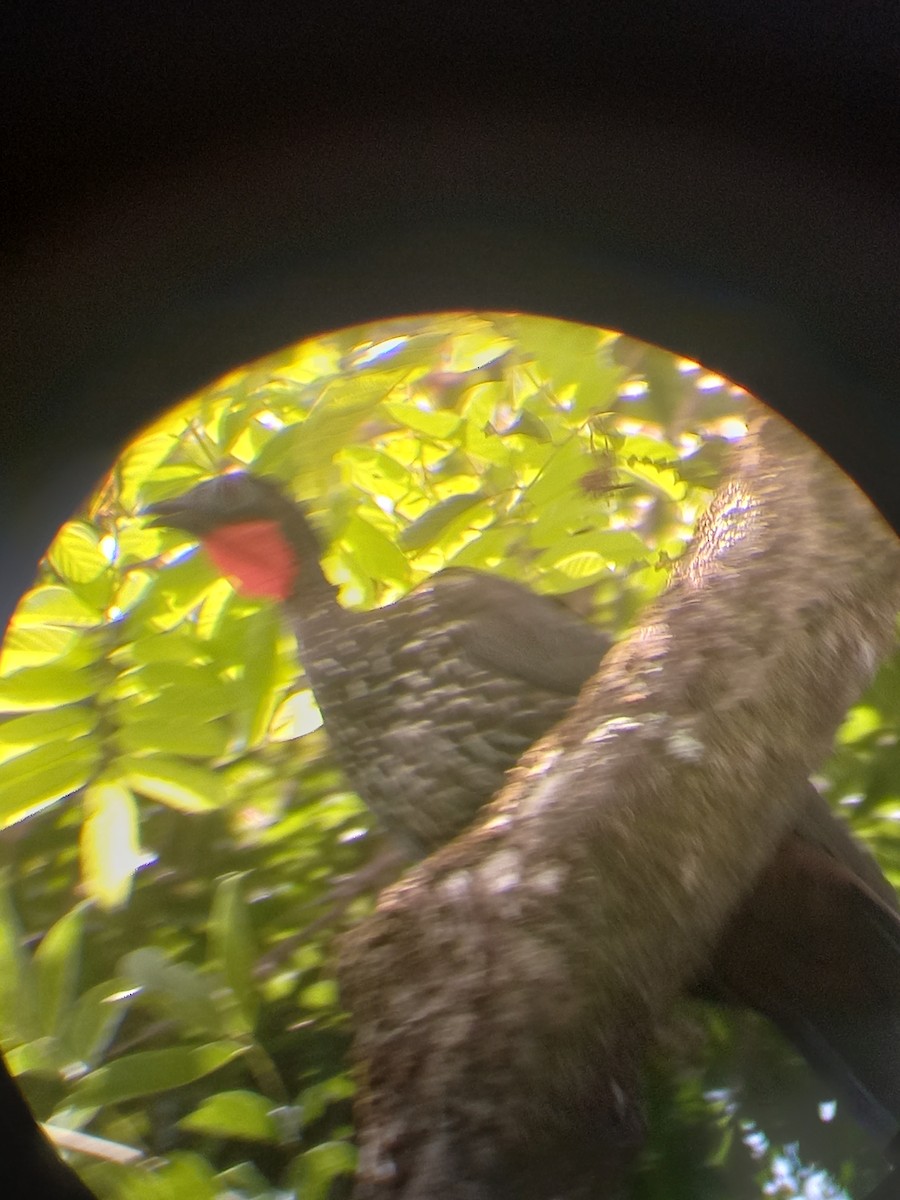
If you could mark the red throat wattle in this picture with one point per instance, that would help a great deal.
(257, 555)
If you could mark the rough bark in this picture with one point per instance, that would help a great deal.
(504, 991)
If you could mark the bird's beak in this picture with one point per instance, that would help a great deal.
(166, 514)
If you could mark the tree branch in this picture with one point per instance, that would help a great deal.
(503, 992)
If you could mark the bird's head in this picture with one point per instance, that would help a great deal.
(223, 500)
(254, 534)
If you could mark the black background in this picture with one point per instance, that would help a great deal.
(191, 186)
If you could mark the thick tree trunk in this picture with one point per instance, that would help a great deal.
(503, 992)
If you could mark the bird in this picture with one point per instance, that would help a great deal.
(429, 701)
(426, 702)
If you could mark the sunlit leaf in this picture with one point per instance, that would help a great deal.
(46, 687)
(110, 845)
(36, 780)
(427, 529)
(256, 693)
(564, 467)
(662, 479)
(377, 555)
(35, 729)
(588, 553)
(318, 1167)
(29, 647)
(295, 717)
(440, 424)
(312, 359)
(321, 994)
(140, 460)
(332, 423)
(237, 1114)
(176, 592)
(179, 785)
(51, 604)
(75, 553)
(177, 645)
(376, 472)
(861, 721)
(173, 735)
(314, 1100)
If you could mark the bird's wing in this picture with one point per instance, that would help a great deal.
(820, 825)
(513, 631)
(857, 1044)
(817, 950)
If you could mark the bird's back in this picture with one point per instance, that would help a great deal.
(430, 701)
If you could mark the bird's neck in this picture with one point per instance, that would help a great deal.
(310, 590)
(275, 558)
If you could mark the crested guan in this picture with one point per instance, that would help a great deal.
(428, 701)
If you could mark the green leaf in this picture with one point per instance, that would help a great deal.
(441, 424)
(51, 604)
(237, 1114)
(17, 981)
(57, 962)
(563, 468)
(43, 777)
(376, 555)
(641, 447)
(581, 566)
(321, 994)
(75, 553)
(488, 550)
(600, 548)
(332, 422)
(26, 647)
(203, 739)
(46, 687)
(660, 479)
(182, 1176)
(315, 1169)
(377, 473)
(527, 425)
(231, 944)
(427, 529)
(860, 723)
(35, 730)
(176, 592)
(182, 786)
(173, 646)
(256, 689)
(150, 1071)
(315, 1100)
(476, 344)
(141, 459)
(566, 352)
(171, 692)
(110, 847)
(295, 717)
(92, 1024)
(177, 991)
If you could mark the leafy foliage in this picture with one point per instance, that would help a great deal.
(178, 842)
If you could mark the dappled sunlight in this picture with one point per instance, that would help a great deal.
(183, 838)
